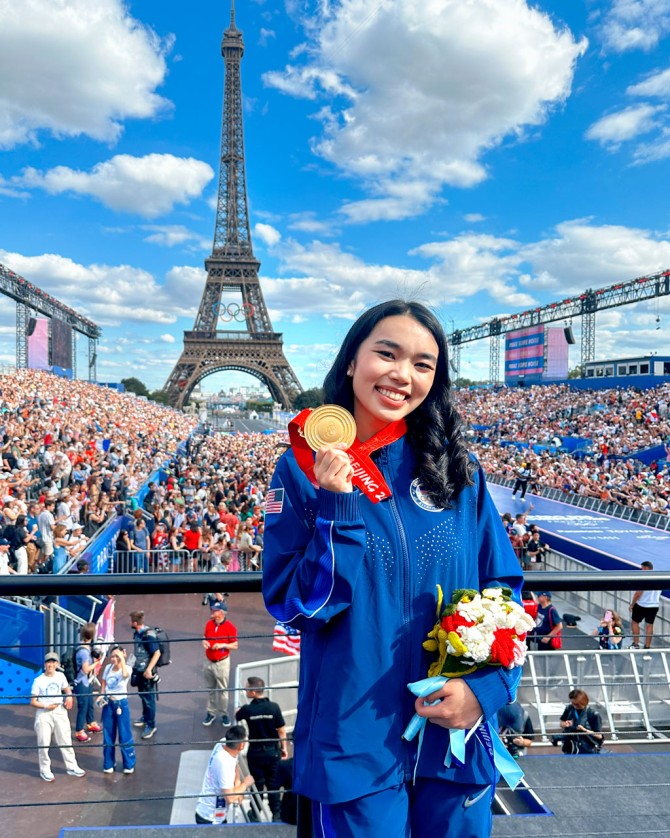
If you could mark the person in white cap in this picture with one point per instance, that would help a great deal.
(52, 696)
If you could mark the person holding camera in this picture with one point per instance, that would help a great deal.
(147, 652)
(116, 713)
(609, 631)
(85, 657)
(583, 725)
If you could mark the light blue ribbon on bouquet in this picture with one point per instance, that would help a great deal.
(506, 765)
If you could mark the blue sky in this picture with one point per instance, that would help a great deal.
(485, 156)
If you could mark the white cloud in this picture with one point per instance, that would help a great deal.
(636, 24)
(9, 190)
(615, 128)
(497, 275)
(168, 338)
(265, 35)
(112, 294)
(474, 217)
(308, 82)
(471, 75)
(307, 222)
(148, 186)
(581, 255)
(472, 263)
(657, 150)
(657, 84)
(268, 234)
(73, 67)
(170, 235)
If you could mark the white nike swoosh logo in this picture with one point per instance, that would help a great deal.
(470, 801)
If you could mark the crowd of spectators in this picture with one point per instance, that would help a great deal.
(517, 429)
(209, 514)
(71, 454)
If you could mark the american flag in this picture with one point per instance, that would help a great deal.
(286, 639)
(274, 501)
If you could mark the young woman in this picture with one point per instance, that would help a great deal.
(359, 580)
(85, 658)
(115, 713)
(609, 631)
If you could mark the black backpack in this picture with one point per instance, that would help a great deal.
(161, 637)
(69, 664)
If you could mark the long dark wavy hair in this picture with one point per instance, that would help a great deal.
(435, 428)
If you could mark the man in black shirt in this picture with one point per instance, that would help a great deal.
(267, 740)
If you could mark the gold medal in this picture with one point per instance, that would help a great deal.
(328, 425)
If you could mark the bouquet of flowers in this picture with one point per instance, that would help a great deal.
(472, 631)
(478, 629)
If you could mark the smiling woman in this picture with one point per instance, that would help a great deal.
(392, 373)
(358, 576)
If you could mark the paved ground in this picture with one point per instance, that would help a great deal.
(31, 807)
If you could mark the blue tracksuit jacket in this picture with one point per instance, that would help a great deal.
(359, 580)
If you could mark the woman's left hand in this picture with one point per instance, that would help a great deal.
(458, 705)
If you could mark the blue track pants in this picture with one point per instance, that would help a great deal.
(429, 809)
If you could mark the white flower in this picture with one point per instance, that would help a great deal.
(519, 653)
(522, 622)
(471, 610)
(478, 641)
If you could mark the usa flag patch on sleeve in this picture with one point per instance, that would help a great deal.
(274, 502)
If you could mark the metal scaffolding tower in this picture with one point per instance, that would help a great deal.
(29, 298)
(584, 305)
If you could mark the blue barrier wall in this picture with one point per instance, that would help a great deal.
(21, 632)
(21, 642)
(16, 679)
(159, 476)
(642, 382)
(648, 455)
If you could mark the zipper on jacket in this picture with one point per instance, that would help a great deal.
(406, 606)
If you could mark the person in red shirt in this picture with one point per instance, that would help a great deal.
(193, 543)
(229, 520)
(220, 638)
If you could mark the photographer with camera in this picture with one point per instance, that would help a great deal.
(85, 657)
(147, 653)
(583, 725)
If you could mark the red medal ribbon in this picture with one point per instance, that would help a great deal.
(367, 476)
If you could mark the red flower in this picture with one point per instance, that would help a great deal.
(502, 649)
(453, 621)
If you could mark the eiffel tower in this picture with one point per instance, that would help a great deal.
(232, 269)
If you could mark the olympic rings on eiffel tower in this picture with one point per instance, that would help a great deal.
(233, 311)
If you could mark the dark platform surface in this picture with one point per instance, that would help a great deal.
(146, 797)
(603, 794)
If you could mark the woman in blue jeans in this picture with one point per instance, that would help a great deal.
(115, 713)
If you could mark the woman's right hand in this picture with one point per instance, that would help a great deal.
(333, 469)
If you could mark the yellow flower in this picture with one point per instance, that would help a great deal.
(440, 599)
(458, 646)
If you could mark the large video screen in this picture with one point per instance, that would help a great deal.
(524, 355)
(38, 343)
(61, 344)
